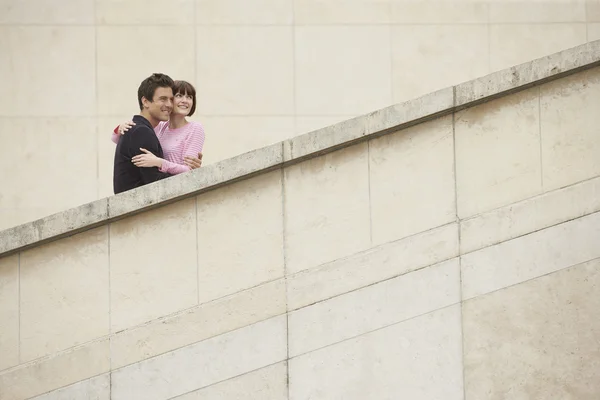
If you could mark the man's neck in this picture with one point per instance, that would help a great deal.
(153, 121)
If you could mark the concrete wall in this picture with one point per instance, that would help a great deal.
(457, 259)
(265, 70)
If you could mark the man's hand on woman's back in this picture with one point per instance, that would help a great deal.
(125, 126)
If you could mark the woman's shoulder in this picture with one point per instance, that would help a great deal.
(195, 127)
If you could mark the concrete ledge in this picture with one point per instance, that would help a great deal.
(192, 183)
(529, 74)
(377, 123)
(64, 223)
(297, 149)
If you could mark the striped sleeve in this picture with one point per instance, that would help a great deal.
(194, 143)
(115, 135)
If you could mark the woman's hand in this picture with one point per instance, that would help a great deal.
(125, 126)
(193, 162)
(146, 160)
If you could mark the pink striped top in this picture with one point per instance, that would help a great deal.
(176, 144)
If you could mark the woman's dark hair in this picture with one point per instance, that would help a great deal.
(149, 85)
(183, 87)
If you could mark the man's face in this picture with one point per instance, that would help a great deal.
(162, 104)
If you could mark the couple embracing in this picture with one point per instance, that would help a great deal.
(159, 142)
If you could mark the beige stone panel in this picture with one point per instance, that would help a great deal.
(430, 57)
(593, 11)
(343, 70)
(153, 265)
(200, 323)
(245, 70)
(269, 383)
(326, 208)
(439, 11)
(62, 85)
(331, 12)
(372, 266)
(240, 238)
(145, 12)
(374, 307)
(530, 256)
(498, 153)
(536, 340)
(537, 11)
(119, 77)
(48, 374)
(243, 12)
(305, 124)
(9, 311)
(513, 44)
(97, 388)
(412, 180)
(229, 136)
(204, 363)
(417, 359)
(530, 215)
(593, 31)
(6, 65)
(64, 293)
(45, 144)
(569, 126)
(47, 12)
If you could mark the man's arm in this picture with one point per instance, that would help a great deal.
(145, 138)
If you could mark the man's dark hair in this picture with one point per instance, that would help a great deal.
(183, 87)
(149, 85)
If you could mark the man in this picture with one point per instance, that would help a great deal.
(155, 98)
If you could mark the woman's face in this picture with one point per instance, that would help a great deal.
(182, 104)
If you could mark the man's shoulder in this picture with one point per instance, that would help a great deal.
(141, 128)
(141, 131)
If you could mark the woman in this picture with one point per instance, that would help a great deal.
(181, 140)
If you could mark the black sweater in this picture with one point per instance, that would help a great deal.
(126, 175)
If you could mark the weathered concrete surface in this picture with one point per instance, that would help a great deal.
(527, 74)
(379, 122)
(53, 226)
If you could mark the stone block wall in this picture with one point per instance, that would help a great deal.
(265, 70)
(456, 259)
